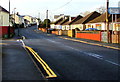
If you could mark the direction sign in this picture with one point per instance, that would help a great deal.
(114, 10)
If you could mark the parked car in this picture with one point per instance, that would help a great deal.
(91, 29)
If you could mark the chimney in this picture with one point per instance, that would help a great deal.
(18, 13)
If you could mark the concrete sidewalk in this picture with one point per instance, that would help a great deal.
(17, 64)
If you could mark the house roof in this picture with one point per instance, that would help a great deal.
(102, 18)
(67, 21)
(118, 20)
(58, 21)
(3, 9)
(87, 18)
(76, 18)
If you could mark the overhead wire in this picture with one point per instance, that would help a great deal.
(63, 5)
(60, 7)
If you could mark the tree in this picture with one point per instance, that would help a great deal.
(101, 9)
(47, 23)
(39, 20)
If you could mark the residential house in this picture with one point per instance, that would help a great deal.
(5, 28)
(65, 23)
(17, 19)
(56, 17)
(28, 19)
(100, 22)
(4, 17)
(72, 25)
(57, 23)
(35, 20)
(80, 24)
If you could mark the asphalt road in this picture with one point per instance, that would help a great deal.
(73, 60)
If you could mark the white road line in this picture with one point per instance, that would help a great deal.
(87, 53)
(21, 42)
(112, 62)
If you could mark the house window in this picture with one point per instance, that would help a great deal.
(117, 27)
(89, 26)
(98, 26)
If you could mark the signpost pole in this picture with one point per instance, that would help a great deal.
(114, 11)
(112, 27)
(116, 28)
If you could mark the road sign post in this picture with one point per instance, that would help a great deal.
(114, 11)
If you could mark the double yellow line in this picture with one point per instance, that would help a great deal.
(3, 43)
(50, 73)
(91, 43)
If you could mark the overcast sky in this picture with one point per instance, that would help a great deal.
(68, 7)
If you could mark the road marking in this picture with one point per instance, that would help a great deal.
(87, 53)
(48, 70)
(44, 65)
(91, 43)
(3, 43)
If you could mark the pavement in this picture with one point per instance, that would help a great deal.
(17, 63)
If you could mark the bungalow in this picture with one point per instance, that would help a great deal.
(72, 25)
(100, 22)
(80, 23)
(5, 30)
(57, 23)
(65, 23)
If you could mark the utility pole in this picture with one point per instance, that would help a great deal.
(46, 18)
(107, 23)
(39, 15)
(9, 21)
(47, 14)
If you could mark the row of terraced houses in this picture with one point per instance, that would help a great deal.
(92, 26)
(7, 21)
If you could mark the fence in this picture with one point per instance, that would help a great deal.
(116, 37)
(92, 35)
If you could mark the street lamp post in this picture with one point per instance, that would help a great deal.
(14, 22)
(14, 15)
(47, 19)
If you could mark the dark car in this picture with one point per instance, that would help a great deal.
(91, 29)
